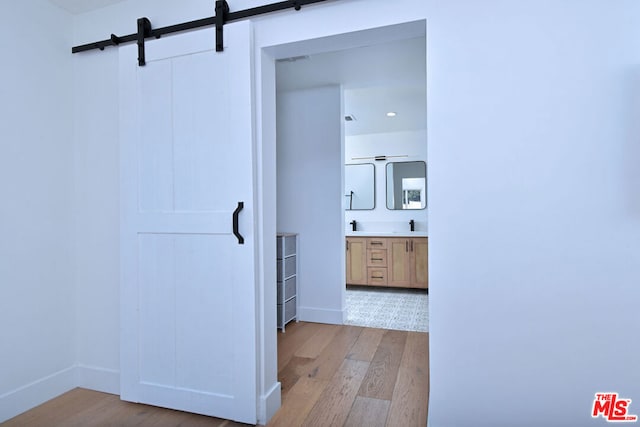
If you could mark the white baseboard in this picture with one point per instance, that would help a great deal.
(36, 393)
(269, 404)
(98, 379)
(95, 378)
(321, 315)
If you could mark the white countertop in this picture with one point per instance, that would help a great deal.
(386, 234)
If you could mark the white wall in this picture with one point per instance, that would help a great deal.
(97, 221)
(36, 183)
(533, 193)
(309, 193)
(410, 143)
(535, 229)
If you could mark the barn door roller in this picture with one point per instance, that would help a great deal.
(144, 30)
(222, 10)
(223, 15)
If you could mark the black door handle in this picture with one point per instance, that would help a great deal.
(236, 213)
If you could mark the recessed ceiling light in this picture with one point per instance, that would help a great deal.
(391, 114)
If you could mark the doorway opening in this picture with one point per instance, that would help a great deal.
(345, 116)
(304, 160)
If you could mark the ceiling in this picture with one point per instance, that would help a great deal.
(376, 79)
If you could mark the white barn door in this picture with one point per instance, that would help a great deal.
(188, 309)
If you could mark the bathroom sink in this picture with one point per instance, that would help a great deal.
(406, 233)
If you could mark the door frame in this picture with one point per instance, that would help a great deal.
(266, 54)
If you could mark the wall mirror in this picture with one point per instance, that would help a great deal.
(360, 187)
(406, 185)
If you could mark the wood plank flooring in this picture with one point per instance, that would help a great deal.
(352, 376)
(331, 376)
(87, 408)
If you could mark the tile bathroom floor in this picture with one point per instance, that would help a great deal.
(388, 308)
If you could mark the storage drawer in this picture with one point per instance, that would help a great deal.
(286, 268)
(289, 286)
(376, 257)
(289, 312)
(377, 276)
(376, 243)
(286, 246)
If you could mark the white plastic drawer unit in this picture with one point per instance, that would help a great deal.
(289, 287)
(287, 278)
(286, 245)
(289, 312)
(286, 268)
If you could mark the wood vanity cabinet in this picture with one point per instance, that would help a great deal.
(408, 262)
(356, 260)
(420, 262)
(399, 263)
(388, 261)
(376, 261)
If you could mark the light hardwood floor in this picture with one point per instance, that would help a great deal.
(352, 376)
(331, 376)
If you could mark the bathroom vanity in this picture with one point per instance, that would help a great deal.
(387, 243)
(393, 260)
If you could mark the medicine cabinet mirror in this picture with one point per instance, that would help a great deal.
(406, 185)
(360, 188)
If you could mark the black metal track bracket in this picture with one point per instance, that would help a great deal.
(222, 11)
(144, 31)
(223, 16)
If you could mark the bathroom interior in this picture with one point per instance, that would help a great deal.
(384, 199)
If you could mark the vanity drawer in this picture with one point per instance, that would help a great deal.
(376, 243)
(376, 257)
(377, 276)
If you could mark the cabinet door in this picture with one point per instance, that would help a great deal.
(399, 271)
(419, 249)
(356, 261)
